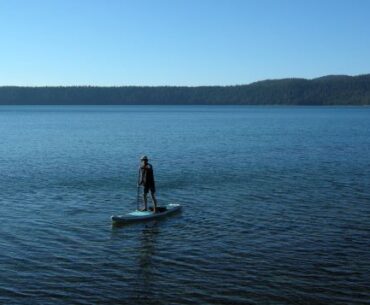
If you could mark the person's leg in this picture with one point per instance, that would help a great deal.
(154, 200)
(145, 197)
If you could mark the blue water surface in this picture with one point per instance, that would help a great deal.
(276, 205)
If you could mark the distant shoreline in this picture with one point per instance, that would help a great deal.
(323, 91)
(178, 105)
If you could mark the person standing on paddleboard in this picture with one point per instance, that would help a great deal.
(146, 179)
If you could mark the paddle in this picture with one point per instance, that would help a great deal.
(138, 190)
(138, 197)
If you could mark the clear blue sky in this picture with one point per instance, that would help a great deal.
(180, 42)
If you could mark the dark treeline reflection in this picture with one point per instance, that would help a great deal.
(328, 90)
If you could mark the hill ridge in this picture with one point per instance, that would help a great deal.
(325, 90)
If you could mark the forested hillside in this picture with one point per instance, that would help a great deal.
(328, 90)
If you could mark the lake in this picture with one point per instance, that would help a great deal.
(276, 205)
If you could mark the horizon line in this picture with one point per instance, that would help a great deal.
(185, 86)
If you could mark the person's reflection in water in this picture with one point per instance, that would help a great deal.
(148, 240)
(146, 276)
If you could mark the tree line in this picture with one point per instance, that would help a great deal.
(327, 90)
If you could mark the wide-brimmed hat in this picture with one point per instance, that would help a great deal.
(144, 158)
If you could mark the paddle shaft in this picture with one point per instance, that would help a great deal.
(138, 190)
(138, 198)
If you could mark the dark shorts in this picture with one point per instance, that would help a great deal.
(148, 188)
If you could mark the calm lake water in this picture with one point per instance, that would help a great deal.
(276, 205)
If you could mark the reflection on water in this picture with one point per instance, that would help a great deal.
(148, 238)
(146, 261)
(143, 253)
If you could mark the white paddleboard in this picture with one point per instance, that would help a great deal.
(138, 216)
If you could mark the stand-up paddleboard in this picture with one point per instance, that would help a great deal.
(138, 216)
